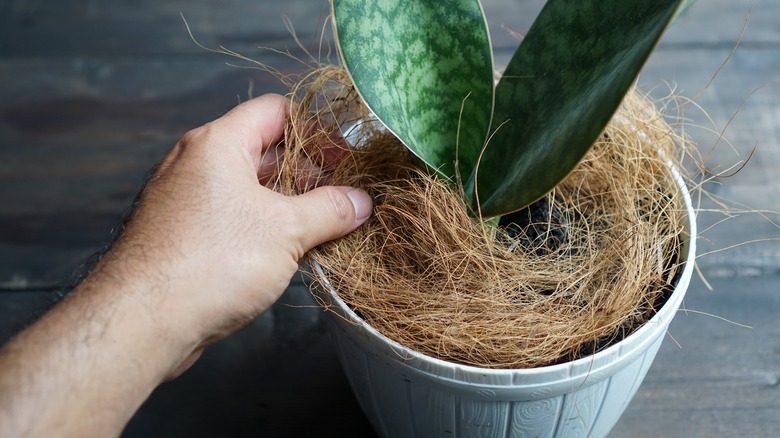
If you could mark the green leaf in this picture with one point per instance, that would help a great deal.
(425, 68)
(558, 92)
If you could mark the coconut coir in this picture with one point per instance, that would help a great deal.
(582, 268)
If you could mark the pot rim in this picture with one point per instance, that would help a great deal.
(586, 370)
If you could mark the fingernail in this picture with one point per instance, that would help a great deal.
(362, 203)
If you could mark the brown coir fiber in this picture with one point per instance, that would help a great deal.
(427, 275)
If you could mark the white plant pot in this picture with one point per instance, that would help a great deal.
(407, 394)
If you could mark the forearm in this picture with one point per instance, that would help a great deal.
(87, 366)
(206, 250)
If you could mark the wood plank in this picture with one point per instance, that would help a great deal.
(718, 23)
(722, 380)
(20, 309)
(71, 160)
(95, 92)
(115, 28)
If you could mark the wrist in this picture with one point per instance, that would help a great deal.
(108, 342)
(147, 318)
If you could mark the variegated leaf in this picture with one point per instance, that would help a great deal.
(424, 67)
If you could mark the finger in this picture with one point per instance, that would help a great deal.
(331, 145)
(255, 124)
(334, 152)
(310, 168)
(331, 212)
(307, 174)
(269, 161)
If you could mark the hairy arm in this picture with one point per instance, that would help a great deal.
(206, 250)
(85, 368)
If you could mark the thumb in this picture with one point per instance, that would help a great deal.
(331, 212)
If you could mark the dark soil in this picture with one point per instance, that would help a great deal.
(540, 227)
(632, 324)
(543, 229)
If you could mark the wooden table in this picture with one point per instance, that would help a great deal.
(93, 93)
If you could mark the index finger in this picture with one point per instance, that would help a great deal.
(256, 124)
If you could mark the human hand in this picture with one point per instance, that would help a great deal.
(206, 250)
(224, 246)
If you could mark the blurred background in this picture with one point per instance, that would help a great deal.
(94, 92)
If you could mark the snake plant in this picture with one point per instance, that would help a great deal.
(425, 69)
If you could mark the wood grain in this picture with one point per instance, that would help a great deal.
(94, 92)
